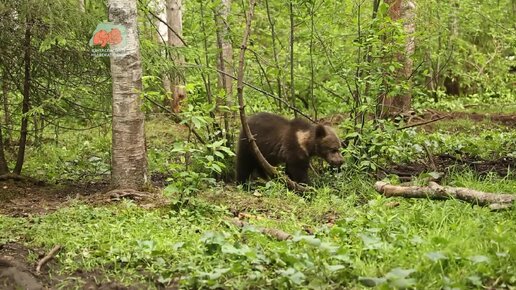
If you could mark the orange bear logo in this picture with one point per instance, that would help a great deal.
(102, 37)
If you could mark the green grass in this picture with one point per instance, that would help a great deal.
(440, 244)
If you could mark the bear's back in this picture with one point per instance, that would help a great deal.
(278, 137)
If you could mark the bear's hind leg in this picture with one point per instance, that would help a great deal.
(261, 172)
(244, 170)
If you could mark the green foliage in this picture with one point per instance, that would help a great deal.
(383, 144)
(344, 59)
(197, 166)
(73, 156)
(418, 244)
(11, 229)
(467, 41)
(202, 163)
(499, 103)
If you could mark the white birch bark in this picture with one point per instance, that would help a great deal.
(226, 50)
(175, 33)
(81, 6)
(129, 158)
(161, 7)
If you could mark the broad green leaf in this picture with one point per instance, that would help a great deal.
(399, 273)
(335, 268)
(479, 259)
(371, 281)
(436, 256)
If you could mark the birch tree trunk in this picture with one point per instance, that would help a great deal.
(82, 6)
(163, 39)
(175, 33)
(404, 10)
(129, 158)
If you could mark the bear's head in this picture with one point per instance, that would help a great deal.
(327, 145)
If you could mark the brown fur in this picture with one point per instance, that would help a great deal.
(291, 142)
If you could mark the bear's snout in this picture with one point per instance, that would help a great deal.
(335, 160)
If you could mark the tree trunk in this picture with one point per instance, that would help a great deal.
(225, 63)
(175, 32)
(26, 99)
(311, 49)
(451, 81)
(163, 39)
(225, 47)
(275, 53)
(129, 159)
(5, 103)
(404, 10)
(81, 6)
(291, 43)
(3, 163)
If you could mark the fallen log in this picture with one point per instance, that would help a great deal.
(495, 201)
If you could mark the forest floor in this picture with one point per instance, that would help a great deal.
(508, 120)
(25, 237)
(25, 199)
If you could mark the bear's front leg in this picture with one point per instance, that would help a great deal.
(298, 171)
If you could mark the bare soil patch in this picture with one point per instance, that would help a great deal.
(17, 272)
(508, 120)
(22, 199)
(445, 162)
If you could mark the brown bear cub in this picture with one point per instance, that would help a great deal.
(282, 141)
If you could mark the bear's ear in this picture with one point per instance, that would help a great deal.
(320, 131)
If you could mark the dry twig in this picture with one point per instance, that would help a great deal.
(423, 123)
(47, 258)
